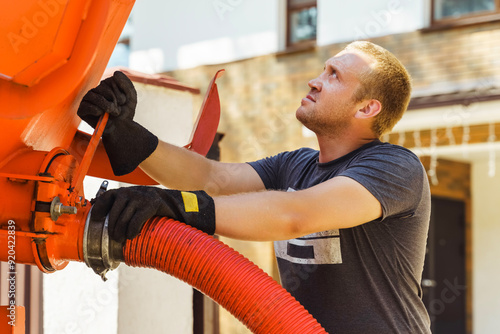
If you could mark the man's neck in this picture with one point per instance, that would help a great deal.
(334, 148)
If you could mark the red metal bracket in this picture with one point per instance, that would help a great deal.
(205, 127)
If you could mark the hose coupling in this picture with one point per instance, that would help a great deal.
(100, 252)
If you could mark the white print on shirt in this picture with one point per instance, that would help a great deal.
(315, 248)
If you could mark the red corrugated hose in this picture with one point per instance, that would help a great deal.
(221, 273)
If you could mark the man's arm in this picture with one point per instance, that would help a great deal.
(179, 168)
(339, 202)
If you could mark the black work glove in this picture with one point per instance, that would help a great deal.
(129, 208)
(127, 143)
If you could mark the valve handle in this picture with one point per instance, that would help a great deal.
(83, 168)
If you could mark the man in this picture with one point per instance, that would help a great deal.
(350, 220)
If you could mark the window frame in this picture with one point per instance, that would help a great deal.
(465, 20)
(290, 8)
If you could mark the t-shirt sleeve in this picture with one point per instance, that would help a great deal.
(393, 175)
(269, 170)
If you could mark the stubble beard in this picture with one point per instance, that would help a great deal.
(324, 126)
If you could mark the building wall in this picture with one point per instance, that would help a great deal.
(167, 113)
(77, 301)
(184, 34)
(153, 302)
(346, 21)
(486, 266)
(259, 96)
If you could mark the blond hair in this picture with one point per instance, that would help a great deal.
(388, 82)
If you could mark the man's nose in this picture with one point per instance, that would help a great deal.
(315, 83)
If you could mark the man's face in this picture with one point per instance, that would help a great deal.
(329, 107)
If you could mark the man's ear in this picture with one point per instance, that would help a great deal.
(369, 108)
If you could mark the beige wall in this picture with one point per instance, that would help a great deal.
(486, 248)
(77, 301)
(153, 302)
(168, 113)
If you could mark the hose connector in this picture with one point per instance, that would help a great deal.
(100, 252)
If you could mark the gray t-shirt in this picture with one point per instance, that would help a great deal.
(364, 279)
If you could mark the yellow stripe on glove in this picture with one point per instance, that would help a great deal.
(190, 201)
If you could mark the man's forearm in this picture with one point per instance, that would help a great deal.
(340, 202)
(178, 168)
(257, 216)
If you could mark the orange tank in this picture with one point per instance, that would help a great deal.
(55, 51)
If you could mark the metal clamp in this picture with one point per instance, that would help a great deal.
(100, 252)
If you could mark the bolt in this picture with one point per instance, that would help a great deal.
(64, 209)
(57, 209)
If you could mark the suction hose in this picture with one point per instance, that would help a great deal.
(221, 273)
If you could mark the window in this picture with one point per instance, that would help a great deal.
(301, 22)
(448, 13)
